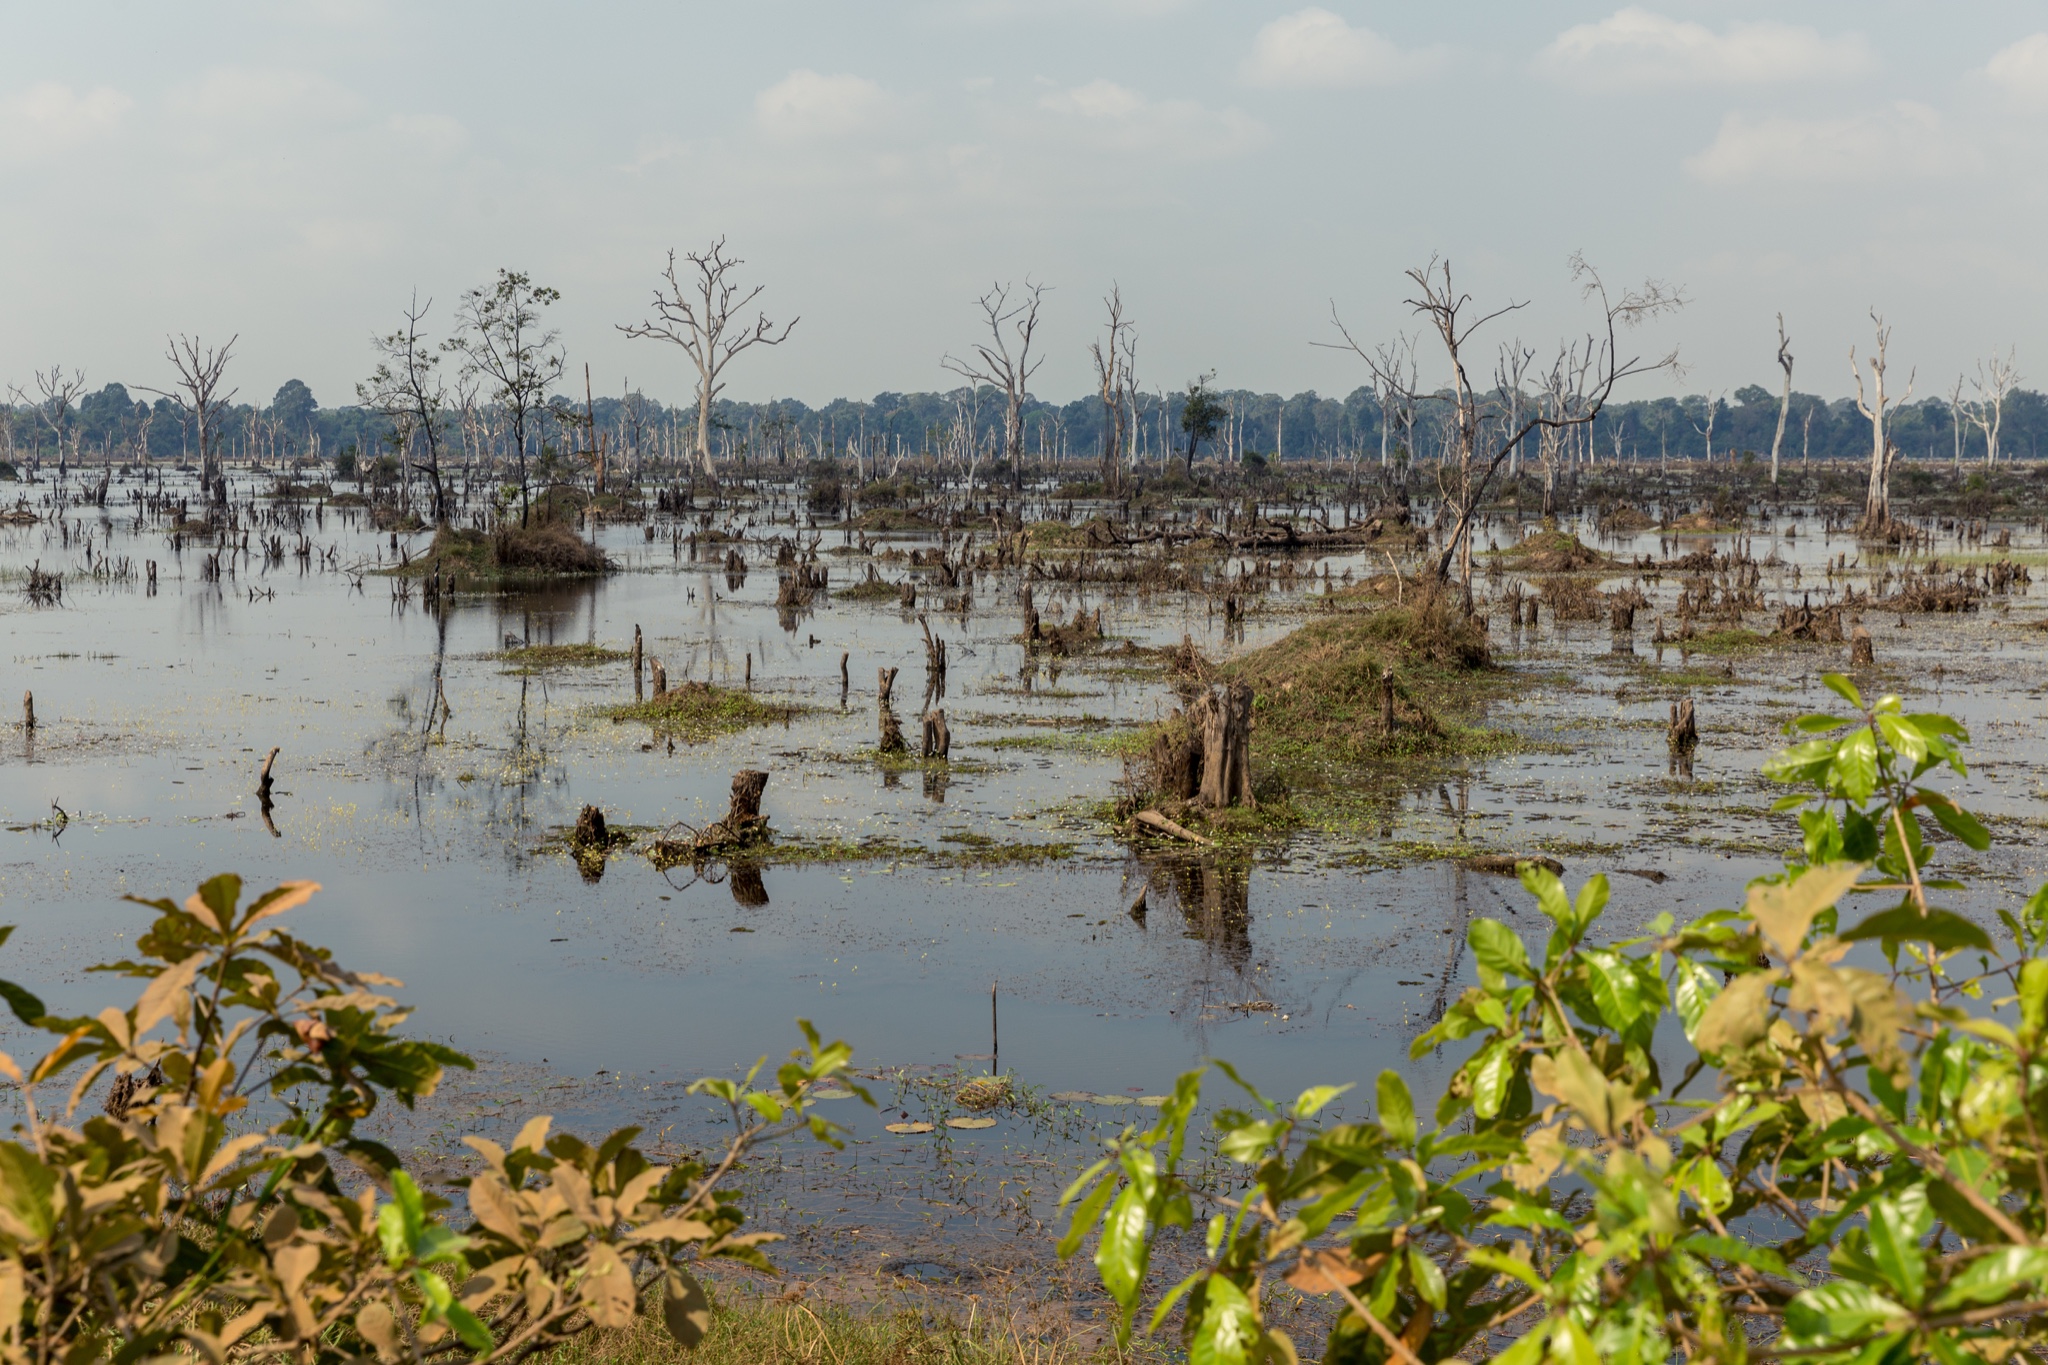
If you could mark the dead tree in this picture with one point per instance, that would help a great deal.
(1008, 318)
(1112, 363)
(1957, 415)
(1225, 718)
(699, 317)
(263, 778)
(406, 388)
(198, 398)
(1683, 733)
(57, 393)
(1785, 400)
(1995, 381)
(1473, 455)
(1877, 497)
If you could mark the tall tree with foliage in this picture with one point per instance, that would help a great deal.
(1201, 414)
(505, 345)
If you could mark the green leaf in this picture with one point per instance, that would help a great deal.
(1615, 992)
(1229, 1327)
(1815, 724)
(1736, 1250)
(1695, 990)
(27, 1189)
(1944, 929)
(1121, 1257)
(1247, 1143)
(1543, 884)
(1843, 688)
(1904, 737)
(1836, 1310)
(2034, 994)
(1853, 774)
(1994, 1277)
(1314, 1098)
(27, 1006)
(1493, 1072)
(1497, 948)
(1592, 900)
(1397, 1108)
(1427, 1277)
(1898, 1221)
(1957, 821)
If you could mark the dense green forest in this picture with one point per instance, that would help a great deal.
(114, 423)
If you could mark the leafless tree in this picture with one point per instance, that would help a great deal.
(1588, 370)
(1877, 497)
(1785, 399)
(1957, 415)
(201, 369)
(503, 344)
(1713, 409)
(1011, 317)
(700, 318)
(406, 387)
(1112, 366)
(1995, 381)
(57, 392)
(1394, 379)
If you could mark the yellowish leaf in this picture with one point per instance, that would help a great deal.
(1786, 912)
(607, 1288)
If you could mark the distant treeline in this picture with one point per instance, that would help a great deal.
(113, 423)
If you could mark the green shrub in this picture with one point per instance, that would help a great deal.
(1866, 1183)
(177, 1223)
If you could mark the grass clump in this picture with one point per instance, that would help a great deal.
(1554, 551)
(869, 590)
(559, 656)
(697, 711)
(544, 550)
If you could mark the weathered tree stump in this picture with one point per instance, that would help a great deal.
(1226, 721)
(263, 778)
(1683, 732)
(891, 739)
(1861, 652)
(938, 740)
(28, 711)
(660, 676)
(638, 658)
(908, 596)
(590, 831)
(747, 786)
(1387, 702)
(1622, 618)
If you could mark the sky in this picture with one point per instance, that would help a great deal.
(291, 172)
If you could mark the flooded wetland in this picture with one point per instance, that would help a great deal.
(1049, 904)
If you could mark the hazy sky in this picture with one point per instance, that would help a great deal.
(291, 171)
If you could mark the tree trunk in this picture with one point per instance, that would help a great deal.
(747, 786)
(1226, 719)
(938, 740)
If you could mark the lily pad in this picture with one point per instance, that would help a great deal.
(1110, 1099)
(1153, 1101)
(970, 1123)
(908, 1127)
(1074, 1096)
(833, 1094)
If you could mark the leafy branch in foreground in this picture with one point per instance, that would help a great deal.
(1867, 1183)
(158, 1229)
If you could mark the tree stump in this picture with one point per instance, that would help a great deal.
(1387, 702)
(938, 740)
(263, 778)
(660, 676)
(590, 831)
(28, 712)
(891, 740)
(1683, 733)
(1226, 721)
(747, 786)
(1861, 652)
(908, 596)
(637, 663)
(1623, 618)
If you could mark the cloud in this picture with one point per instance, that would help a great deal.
(264, 95)
(1903, 140)
(805, 105)
(1314, 48)
(435, 136)
(1114, 116)
(51, 119)
(2019, 71)
(1633, 48)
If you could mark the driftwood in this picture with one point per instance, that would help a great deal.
(1225, 716)
(743, 826)
(1152, 819)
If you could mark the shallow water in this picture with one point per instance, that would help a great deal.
(439, 851)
